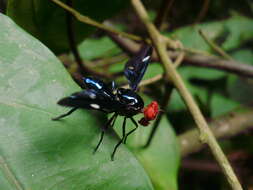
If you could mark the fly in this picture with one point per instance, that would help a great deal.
(105, 97)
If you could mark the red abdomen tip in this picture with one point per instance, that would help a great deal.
(150, 113)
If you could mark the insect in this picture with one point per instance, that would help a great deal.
(106, 97)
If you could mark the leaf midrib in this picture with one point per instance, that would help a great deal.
(10, 176)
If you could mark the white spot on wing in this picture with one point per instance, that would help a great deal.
(92, 96)
(95, 106)
(145, 58)
(131, 67)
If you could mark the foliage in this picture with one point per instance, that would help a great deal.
(37, 153)
(47, 22)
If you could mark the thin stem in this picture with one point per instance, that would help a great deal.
(223, 127)
(89, 21)
(203, 11)
(206, 135)
(163, 13)
(72, 42)
(179, 59)
(164, 103)
(214, 46)
(213, 62)
(197, 60)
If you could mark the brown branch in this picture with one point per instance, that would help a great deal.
(163, 104)
(200, 165)
(203, 11)
(223, 127)
(151, 80)
(163, 12)
(196, 60)
(214, 46)
(213, 62)
(89, 21)
(206, 136)
(72, 42)
(84, 70)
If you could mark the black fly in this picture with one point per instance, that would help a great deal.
(109, 99)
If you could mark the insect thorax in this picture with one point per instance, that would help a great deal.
(130, 101)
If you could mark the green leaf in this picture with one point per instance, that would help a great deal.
(221, 105)
(93, 48)
(239, 88)
(244, 55)
(161, 158)
(200, 73)
(153, 70)
(231, 33)
(47, 21)
(37, 153)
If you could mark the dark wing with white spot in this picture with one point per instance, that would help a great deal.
(90, 99)
(136, 67)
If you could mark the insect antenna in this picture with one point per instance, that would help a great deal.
(108, 123)
(65, 114)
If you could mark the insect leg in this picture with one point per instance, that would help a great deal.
(136, 126)
(113, 122)
(65, 114)
(108, 123)
(121, 140)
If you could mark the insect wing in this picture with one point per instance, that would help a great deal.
(136, 67)
(99, 86)
(89, 99)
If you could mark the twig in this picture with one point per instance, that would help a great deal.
(196, 60)
(84, 70)
(96, 24)
(206, 135)
(179, 59)
(213, 62)
(108, 61)
(164, 103)
(89, 21)
(151, 80)
(72, 43)
(200, 165)
(163, 13)
(214, 46)
(223, 127)
(203, 11)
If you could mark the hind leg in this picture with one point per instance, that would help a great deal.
(108, 123)
(64, 115)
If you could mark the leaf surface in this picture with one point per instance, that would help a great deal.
(37, 153)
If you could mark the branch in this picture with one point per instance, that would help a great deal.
(215, 47)
(196, 60)
(163, 12)
(203, 11)
(89, 21)
(231, 66)
(223, 127)
(206, 135)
